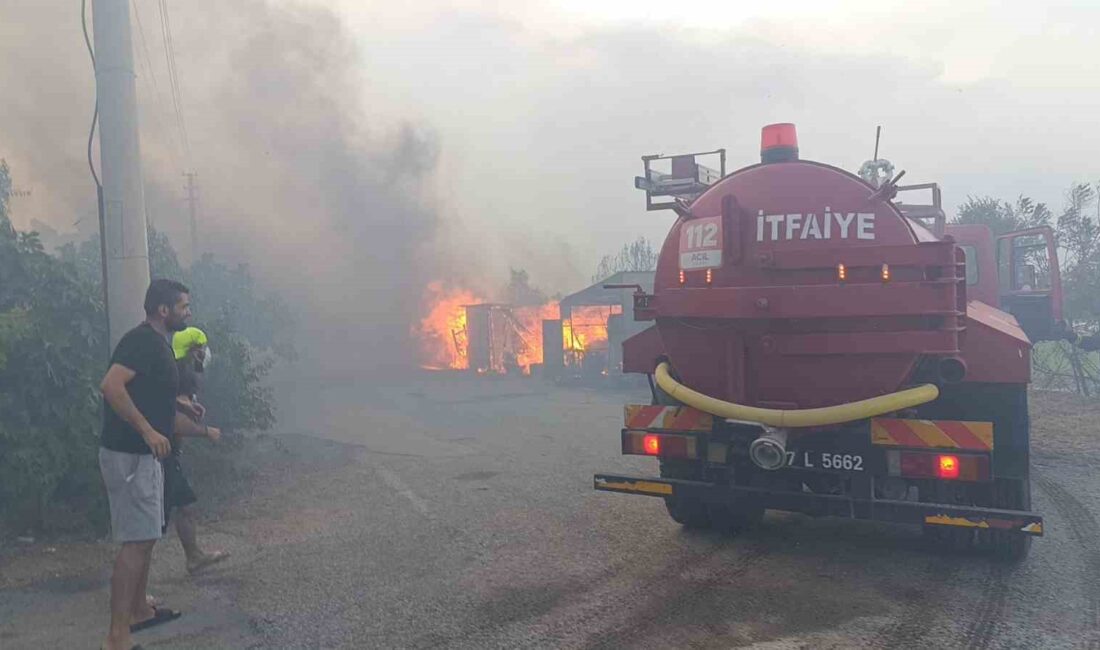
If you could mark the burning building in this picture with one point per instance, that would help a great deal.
(593, 324)
(441, 335)
(464, 331)
(580, 336)
(505, 339)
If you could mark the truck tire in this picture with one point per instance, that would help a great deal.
(1015, 495)
(689, 513)
(731, 519)
(693, 513)
(1005, 406)
(948, 538)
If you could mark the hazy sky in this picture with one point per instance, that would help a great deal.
(540, 111)
(543, 109)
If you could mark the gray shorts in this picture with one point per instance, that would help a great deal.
(135, 489)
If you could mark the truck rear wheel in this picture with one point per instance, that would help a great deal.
(734, 519)
(694, 513)
(1014, 495)
(1005, 405)
(1007, 546)
(688, 512)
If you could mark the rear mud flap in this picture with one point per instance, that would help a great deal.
(904, 512)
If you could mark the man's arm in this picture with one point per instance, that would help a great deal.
(113, 388)
(187, 427)
(190, 407)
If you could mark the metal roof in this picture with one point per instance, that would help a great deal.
(597, 295)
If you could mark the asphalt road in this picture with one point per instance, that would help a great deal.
(446, 512)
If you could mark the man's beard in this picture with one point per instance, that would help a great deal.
(175, 324)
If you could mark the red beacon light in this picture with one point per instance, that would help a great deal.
(778, 143)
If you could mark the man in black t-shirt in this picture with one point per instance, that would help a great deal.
(139, 394)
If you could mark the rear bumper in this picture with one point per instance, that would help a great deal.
(903, 512)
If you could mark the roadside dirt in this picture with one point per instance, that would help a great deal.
(1064, 424)
(455, 513)
(227, 476)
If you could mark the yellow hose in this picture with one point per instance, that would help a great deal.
(802, 418)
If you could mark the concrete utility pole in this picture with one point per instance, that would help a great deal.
(192, 208)
(124, 230)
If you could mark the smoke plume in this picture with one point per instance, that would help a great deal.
(335, 212)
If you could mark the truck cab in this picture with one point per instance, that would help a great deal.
(1016, 272)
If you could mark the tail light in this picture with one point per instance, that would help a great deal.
(947, 467)
(663, 445)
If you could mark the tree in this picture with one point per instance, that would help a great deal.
(13, 327)
(53, 339)
(638, 255)
(53, 343)
(1003, 216)
(229, 292)
(1079, 249)
(1077, 235)
(519, 291)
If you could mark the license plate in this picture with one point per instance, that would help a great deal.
(826, 460)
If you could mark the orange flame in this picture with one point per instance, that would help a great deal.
(442, 332)
(531, 320)
(586, 330)
(444, 337)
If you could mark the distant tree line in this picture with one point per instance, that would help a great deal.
(638, 255)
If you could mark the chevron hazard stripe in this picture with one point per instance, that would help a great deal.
(671, 418)
(940, 434)
(1029, 525)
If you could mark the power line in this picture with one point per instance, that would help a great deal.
(158, 97)
(95, 112)
(173, 76)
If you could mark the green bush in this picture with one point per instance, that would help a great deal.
(53, 353)
(51, 342)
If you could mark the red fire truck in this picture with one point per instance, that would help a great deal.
(819, 346)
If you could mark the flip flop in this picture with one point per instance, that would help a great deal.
(212, 558)
(160, 615)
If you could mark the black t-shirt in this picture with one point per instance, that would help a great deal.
(153, 389)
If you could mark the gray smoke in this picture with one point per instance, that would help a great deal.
(306, 173)
(338, 213)
(334, 212)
